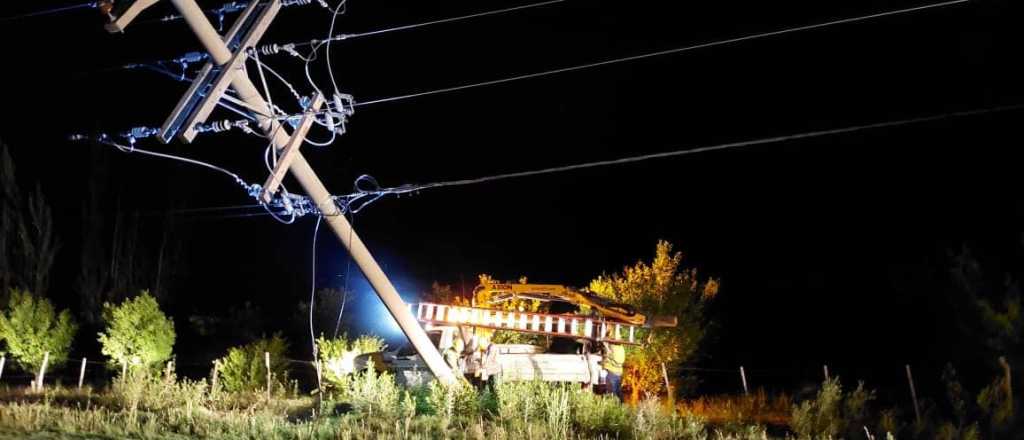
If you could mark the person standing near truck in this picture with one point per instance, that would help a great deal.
(614, 359)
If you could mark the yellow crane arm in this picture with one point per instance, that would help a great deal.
(554, 292)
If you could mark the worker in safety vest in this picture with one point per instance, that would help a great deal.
(614, 359)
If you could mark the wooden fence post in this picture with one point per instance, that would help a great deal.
(743, 375)
(266, 361)
(913, 395)
(81, 374)
(826, 373)
(216, 371)
(42, 371)
(3, 360)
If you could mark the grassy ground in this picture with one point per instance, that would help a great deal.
(166, 409)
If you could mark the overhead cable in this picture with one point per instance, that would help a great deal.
(362, 181)
(666, 52)
(51, 11)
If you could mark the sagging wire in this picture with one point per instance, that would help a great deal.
(348, 272)
(131, 148)
(327, 56)
(292, 205)
(312, 290)
(255, 56)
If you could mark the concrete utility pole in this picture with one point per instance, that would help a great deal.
(221, 56)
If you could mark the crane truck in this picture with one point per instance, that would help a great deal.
(462, 334)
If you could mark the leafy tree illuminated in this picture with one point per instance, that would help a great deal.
(137, 332)
(661, 287)
(30, 327)
(244, 368)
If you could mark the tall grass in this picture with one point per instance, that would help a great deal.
(371, 406)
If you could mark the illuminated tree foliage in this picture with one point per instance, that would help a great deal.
(338, 355)
(30, 327)
(244, 368)
(137, 332)
(444, 294)
(661, 287)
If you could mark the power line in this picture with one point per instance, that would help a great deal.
(429, 23)
(665, 52)
(51, 11)
(707, 149)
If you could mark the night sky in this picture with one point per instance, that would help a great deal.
(828, 250)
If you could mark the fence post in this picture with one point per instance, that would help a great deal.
(913, 395)
(266, 361)
(826, 373)
(216, 371)
(81, 375)
(42, 371)
(3, 360)
(1009, 388)
(743, 375)
(319, 376)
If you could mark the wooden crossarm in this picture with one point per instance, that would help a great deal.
(290, 151)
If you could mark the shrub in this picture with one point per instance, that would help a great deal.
(30, 327)
(137, 332)
(378, 394)
(600, 414)
(244, 368)
(338, 355)
(820, 417)
(142, 389)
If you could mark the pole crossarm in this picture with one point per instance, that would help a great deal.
(221, 55)
(213, 80)
(287, 154)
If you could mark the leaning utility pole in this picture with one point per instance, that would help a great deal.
(228, 68)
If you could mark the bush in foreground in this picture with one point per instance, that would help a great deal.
(30, 328)
(244, 368)
(137, 333)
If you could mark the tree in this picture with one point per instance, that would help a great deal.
(10, 203)
(338, 355)
(39, 246)
(986, 306)
(137, 333)
(661, 287)
(30, 328)
(244, 367)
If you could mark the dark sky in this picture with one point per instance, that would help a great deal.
(828, 250)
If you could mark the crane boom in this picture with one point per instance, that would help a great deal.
(501, 291)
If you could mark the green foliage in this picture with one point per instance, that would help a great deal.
(137, 333)
(338, 355)
(995, 404)
(142, 389)
(833, 412)
(820, 417)
(30, 327)
(596, 414)
(661, 287)
(244, 368)
(376, 394)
